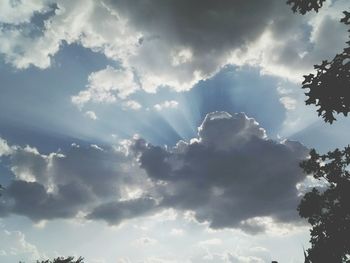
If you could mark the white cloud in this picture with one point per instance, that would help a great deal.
(87, 22)
(222, 130)
(17, 12)
(181, 57)
(168, 104)
(5, 149)
(288, 102)
(22, 51)
(131, 104)
(107, 85)
(92, 115)
(292, 54)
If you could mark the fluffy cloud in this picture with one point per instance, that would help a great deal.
(168, 104)
(231, 176)
(17, 12)
(184, 42)
(91, 114)
(87, 22)
(132, 105)
(4, 148)
(106, 86)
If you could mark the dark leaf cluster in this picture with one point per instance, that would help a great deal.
(329, 89)
(303, 6)
(328, 209)
(63, 260)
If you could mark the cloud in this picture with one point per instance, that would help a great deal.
(17, 12)
(14, 247)
(131, 104)
(62, 185)
(92, 115)
(5, 149)
(183, 43)
(231, 176)
(191, 40)
(34, 201)
(288, 102)
(168, 104)
(107, 85)
(86, 22)
(293, 51)
(116, 212)
(231, 173)
(222, 130)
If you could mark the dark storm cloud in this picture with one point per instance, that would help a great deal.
(61, 185)
(116, 212)
(229, 175)
(213, 29)
(32, 200)
(103, 171)
(205, 24)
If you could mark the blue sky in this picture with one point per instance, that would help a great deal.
(162, 127)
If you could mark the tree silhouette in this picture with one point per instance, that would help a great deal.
(63, 260)
(329, 89)
(303, 6)
(328, 210)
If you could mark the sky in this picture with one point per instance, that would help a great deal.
(159, 131)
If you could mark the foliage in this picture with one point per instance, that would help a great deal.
(328, 210)
(303, 6)
(63, 260)
(330, 87)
